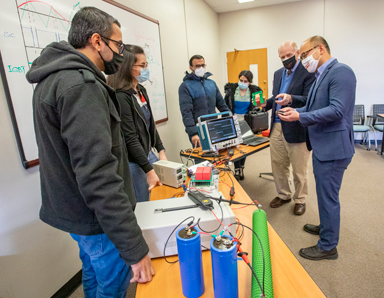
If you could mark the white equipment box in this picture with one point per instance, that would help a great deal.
(157, 227)
(170, 173)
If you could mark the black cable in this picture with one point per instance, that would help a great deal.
(165, 246)
(228, 201)
(254, 274)
(233, 184)
(222, 218)
(242, 232)
(204, 247)
(262, 251)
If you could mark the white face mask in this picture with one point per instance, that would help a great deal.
(200, 72)
(310, 63)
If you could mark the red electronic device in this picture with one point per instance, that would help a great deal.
(203, 173)
(265, 133)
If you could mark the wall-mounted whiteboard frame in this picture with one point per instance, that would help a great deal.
(14, 65)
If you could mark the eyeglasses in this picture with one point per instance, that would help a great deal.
(119, 43)
(143, 65)
(305, 54)
(200, 65)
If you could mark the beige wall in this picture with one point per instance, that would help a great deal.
(35, 259)
(267, 27)
(352, 28)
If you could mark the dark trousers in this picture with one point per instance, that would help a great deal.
(328, 176)
(240, 163)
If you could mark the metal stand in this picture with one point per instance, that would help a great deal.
(267, 174)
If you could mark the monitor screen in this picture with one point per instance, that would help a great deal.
(221, 130)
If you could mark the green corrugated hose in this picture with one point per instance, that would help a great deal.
(261, 229)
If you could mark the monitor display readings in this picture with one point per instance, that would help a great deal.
(222, 129)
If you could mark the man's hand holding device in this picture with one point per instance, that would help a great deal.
(288, 114)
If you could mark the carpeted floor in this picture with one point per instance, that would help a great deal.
(358, 272)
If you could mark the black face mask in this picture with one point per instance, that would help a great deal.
(290, 62)
(111, 67)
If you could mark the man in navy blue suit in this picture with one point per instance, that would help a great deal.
(328, 116)
(291, 85)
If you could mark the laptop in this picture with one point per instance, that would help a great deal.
(248, 137)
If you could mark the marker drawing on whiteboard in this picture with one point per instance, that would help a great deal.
(20, 69)
(9, 34)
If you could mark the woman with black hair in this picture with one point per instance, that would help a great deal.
(238, 97)
(137, 121)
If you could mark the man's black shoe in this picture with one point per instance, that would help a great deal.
(312, 229)
(316, 254)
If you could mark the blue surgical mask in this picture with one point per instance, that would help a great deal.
(243, 85)
(144, 75)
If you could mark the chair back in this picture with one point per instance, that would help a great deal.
(378, 109)
(358, 115)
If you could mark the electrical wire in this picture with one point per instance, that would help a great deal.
(228, 201)
(222, 218)
(165, 246)
(254, 274)
(255, 201)
(217, 217)
(179, 194)
(190, 151)
(262, 251)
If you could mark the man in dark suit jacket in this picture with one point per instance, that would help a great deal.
(328, 116)
(291, 85)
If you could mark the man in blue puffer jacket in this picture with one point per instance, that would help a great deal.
(198, 96)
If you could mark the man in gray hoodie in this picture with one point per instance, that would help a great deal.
(86, 186)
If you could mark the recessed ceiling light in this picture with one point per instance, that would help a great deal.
(243, 1)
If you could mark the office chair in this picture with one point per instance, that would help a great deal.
(376, 123)
(358, 125)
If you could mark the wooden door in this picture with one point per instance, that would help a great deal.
(254, 60)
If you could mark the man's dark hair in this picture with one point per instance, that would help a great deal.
(248, 74)
(123, 78)
(195, 57)
(88, 21)
(318, 40)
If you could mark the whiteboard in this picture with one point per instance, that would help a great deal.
(28, 26)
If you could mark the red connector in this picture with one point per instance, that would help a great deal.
(241, 253)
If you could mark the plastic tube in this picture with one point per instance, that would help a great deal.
(261, 229)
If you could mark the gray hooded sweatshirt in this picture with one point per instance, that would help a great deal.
(86, 186)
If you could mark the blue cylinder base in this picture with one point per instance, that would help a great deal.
(224, 269)
(191, 263)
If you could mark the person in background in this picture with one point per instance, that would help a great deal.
(86, 186)
(198, 96)
(291, 85)
(238, 97)
(137, 122)
(328, 114)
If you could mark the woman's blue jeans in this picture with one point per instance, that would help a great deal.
(139, 178)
